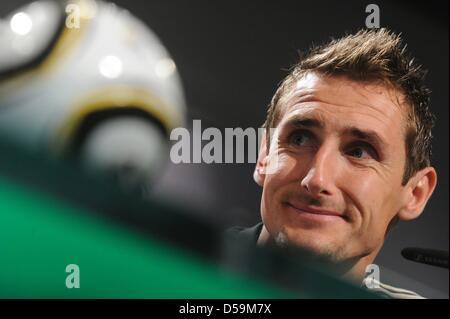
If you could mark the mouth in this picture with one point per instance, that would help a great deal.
(315, 213)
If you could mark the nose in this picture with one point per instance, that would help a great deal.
(323, 168)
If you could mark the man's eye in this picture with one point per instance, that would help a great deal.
(362, 151)
(299, 138)
(357, 152)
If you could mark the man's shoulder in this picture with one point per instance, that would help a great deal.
(247, 237)
(247, 234)
(389, 291)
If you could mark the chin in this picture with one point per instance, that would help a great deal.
(317, 244)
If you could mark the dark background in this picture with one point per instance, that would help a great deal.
(232, 54)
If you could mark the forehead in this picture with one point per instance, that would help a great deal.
(338, 101)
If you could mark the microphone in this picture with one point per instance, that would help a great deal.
(432, 257)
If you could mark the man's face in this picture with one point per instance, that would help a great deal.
(341, 158)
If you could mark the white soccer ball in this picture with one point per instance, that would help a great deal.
(89, 79)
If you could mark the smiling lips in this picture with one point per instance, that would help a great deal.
(316, 213)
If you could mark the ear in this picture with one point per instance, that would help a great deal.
(418, 190)
(259, 173)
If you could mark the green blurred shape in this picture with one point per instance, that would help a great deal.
(41, 235)
(53, 215)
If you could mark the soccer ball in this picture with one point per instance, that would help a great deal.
(87, 79)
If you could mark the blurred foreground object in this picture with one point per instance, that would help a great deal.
(52, 216)
(87, 79)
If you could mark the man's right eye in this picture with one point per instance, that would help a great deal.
(299, 138)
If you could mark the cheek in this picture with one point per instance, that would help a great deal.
(374, 200)
(364, 190)
(283, 171)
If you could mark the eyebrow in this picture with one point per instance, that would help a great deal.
(304, 122)
(366, 135)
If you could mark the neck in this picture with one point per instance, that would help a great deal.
(353, 270)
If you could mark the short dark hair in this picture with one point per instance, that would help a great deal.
(372, 55)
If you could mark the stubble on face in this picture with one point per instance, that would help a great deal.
(336, 249)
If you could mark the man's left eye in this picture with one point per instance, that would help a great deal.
(357, 152)
(361, 152)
